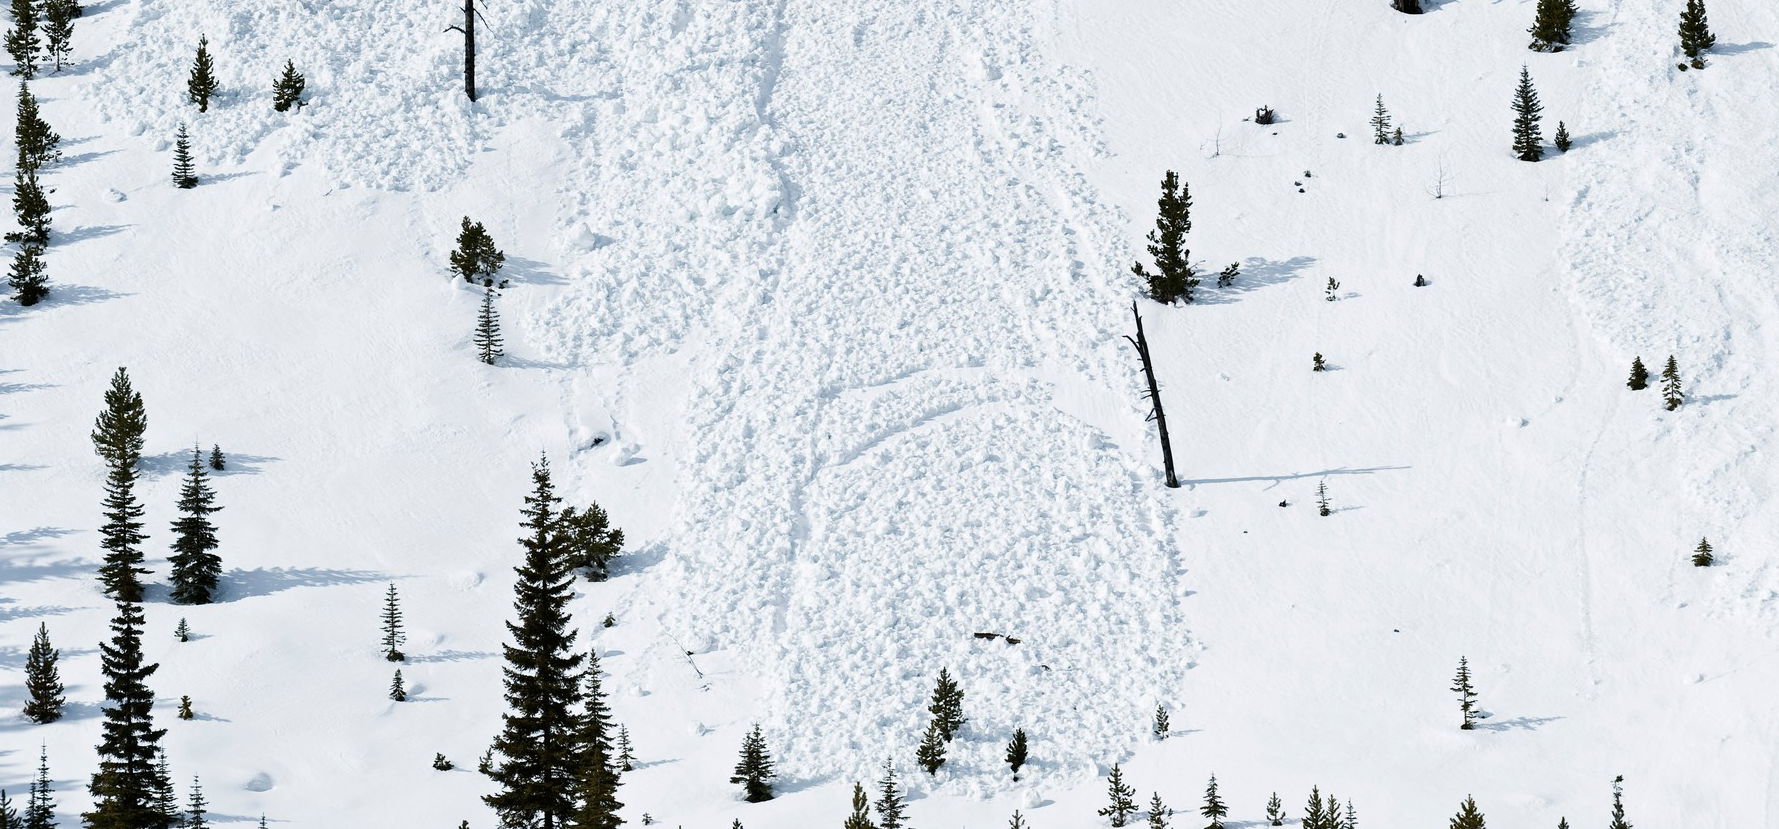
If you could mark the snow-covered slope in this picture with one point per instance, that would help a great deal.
(824, 301)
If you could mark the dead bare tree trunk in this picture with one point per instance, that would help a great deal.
(469, 46)
(1156, 414)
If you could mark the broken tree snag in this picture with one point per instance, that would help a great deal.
(993, 636)
(1154, 394)
(469, 46)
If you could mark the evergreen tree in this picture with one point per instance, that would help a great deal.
(195, 568)
(183, 631)
(1016, 751)
(1173, 278)
(1562, 823)
(1331, 811)
(890, 805)
(1380, 123)
(476, 259)
(1702, 556)
(43, 681)
(1639, 375)
(1158, 812)
(1562, 139)
(1528, 140)
(1313, 815)
(1550, 26)
(1466, 694)
(166, 801)
(287, 91)
(21, 39)
(590, 542)
(37, 143)
(487, 337)
(40, 810)
(28, 278)
(1018, 821)
(398, 690)
(1214, 807)
(1122, 797)
(123, 788)
(9, 817)
(1468, 817)
(931, 752)
(861, 810)
(392, 626)
(30, 206)
(185, 712)
(1331, 288)
(947, 706)
(1618, 805)
(1672, 396)
(1275, 810)
(1318, 363)
(542, 677)
(58, 30)
(1352, 820)
(626, 761)
(1322, 499)
(1162, 727)
(1695, 33)
(596, 773)
(121, 535)
(194, 812)
(185, 171)
(217, 462)
(754, 770)
(201, 84)
(1396, 137)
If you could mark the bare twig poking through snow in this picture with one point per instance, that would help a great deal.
(1154, 394)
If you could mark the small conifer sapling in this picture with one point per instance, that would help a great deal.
(217, 461)
(1322, 499)
(947, 706)
(398, 690)
(931, 752)
(1639, 375)
(1016, 750)
(1275, 810)
(40, 808)
(1466, 694)
(43, 679)
(487, 338)
(28, 278)
(1672, 396)
(754, 770)
(860, 818)
(891, 805)
(185, 712)
(1380, 123)
(1173, 278)
(1618, 804)
(1161, 727)
(1695, 33)
(1702, 556)
(1562, 139)
(1122, 798)
(393, 637)
(194, 810)
(1214, 807)
(287, 91)
(185, 171)
(1317, 363)
(201, 83)
(182, 632)
(476, 259)
(1158, 812)
(1330, 289)
(1528, 139)
(439, 762)
(1468, 816)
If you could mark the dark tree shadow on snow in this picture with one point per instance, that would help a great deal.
(74, 568)
(262, 581)
(521, 271)
(74, 160)
(1517, 724)
(1739, 48)
(176, 462)
(452, 656)
(1293, 476)
(34, 535)
(1256, 273)
(8, 612)
(15, 388)
(1591, 138)
(60, 294)
(238, 463)
(81, 234)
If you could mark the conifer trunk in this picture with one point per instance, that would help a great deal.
(1167, 450)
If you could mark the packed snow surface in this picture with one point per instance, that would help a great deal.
(825, 302)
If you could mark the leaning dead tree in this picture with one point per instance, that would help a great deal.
(469, 46)
(1154, 395)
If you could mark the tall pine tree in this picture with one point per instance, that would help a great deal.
(1173, 278)
(40, 810)
(1528, 139)
(1550, 26)
(1466, 694)
(117, 433)
(1695, 33)
(537, 743)
(37, 143)
(947, 706)
(28, 278)
(201, 84)
(185, 171)
(121, 535)
(891, 804)
(861, 810)
(21, 39)
(1214, 807)
(43, 680)
(195, 811)
(30, 205)
(754, 769)
(596, 781)
(1469, 816)
(1618, 804)
(487, 337)
(1122, 798)
(931, 752)
(1672, 396)
(58, 30)
(195, 568)
(392, 626)
(124, 786)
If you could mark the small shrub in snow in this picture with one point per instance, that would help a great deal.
(1265, 115)
(1702, 556)
(439, 762)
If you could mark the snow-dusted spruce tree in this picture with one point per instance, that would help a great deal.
(1528, 139)
(590, 542)
(58, 30)
(1639, 375)
(287, 91)
(1352, 818)
(1161, 727)
(1702, 556)
(1672, 396)
(1275, 810)
(21, 39)
(754, 769)
(166, 800)
(1466, 694)
(1550, 26)
(217, 461)
(185, 172)
(398, 689)
(537, 745)
(1173, 278)
(37, 143)
(201, 83)
(40, 809)
(1331, 808)
(1322, 493)
(1016, 752)
(487, 338)
(9, 817)
(890, 804)
(123, 788)
(1214, 807)
(196, 568)
(930, 754)
(596, 778)
(43, 680)
(1314, 817)
(1122, 798)
(1618, 804)
(31, 207)
(393, 637)
(476, 259)
(117, 436)
(194, 810)
(28, 278)
(1468, 816)
(1562, 139)
(860, 818)
(1380, 123)
(182, 631)
(1695, 33)
(625, 761)
(947, 706)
